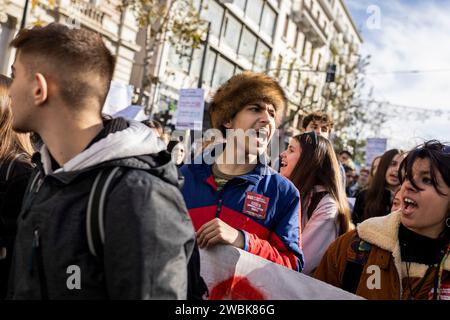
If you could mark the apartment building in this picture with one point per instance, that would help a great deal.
(118, 29)
(292, 40)
(241, 38)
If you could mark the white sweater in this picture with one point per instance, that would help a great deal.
(319, 231)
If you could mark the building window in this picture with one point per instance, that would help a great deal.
(196, 62)
(262, 57)
(209, 66)
(305, 44)
(224, 70)
(6, 35)
(231, 31)
(311, 57)
(214, 14)
(254, 10)
(179, 60)
(268, 21)
(248, 45)
(297, 37)
(299, 80)
(289, 77)
(240, 4)
(279, 65)
(319, 60)
(286, 27)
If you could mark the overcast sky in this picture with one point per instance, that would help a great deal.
(410, 35)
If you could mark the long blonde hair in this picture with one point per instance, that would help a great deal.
(11, 143)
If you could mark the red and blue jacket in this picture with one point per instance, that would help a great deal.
(262, 204)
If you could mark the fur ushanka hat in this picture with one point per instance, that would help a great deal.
(242, 89)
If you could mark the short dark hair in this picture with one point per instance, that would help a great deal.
(347, 153)
(317, 116)
(348, 168)
(77, 58)
(366, 170)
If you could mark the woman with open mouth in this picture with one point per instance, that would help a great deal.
(404, 255)
(311, 164)
(377, 199)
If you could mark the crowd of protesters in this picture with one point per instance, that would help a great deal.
(127, 204)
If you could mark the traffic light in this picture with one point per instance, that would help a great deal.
(331, 73)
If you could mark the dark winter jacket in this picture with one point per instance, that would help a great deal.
(358, 215)
(148, 234)
(14, 175)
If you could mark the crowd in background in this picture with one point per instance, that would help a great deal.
(108, 193)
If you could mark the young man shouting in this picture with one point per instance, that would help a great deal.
(239, 200)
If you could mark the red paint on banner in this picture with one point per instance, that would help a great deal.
(236, 288)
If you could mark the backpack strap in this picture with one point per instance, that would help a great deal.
(95, 210)
(357, 256)
(316, 198)
(5, 172)
(96, 234)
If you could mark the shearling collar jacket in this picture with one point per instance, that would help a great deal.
(384, 275)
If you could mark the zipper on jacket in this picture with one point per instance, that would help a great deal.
(39, 184)
(219, 207)
(37, 257)
(220, 202)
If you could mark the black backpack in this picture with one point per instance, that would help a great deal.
(357, 256)
(96, 237)
(6, 170)
(7, 224)
(8, 184)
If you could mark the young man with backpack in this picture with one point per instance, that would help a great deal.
(237, 199)
(103, 217)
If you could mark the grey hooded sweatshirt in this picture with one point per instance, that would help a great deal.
(149, 236)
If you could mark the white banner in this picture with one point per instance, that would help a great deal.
(119, 97)
(132, 112)
(231, 273)
(190, 109)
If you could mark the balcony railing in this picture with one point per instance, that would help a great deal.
(88, 10)
(310, 25)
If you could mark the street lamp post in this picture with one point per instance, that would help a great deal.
(200, 82)
(205, 51)
(24, 15)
